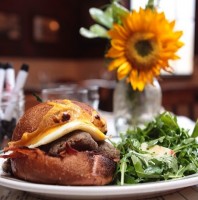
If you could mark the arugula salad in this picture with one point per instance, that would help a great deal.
(160, 151)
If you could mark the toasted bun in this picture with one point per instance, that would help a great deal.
(44, 119)
(79, 168)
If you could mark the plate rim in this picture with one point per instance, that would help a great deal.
(98, 191)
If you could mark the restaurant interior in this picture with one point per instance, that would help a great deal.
(65, 149)
(58, 54)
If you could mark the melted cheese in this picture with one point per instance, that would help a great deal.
(55, 133)
(79, 120)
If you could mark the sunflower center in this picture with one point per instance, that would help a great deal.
(142, 51)
(143, 47)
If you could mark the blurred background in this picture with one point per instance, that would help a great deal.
(45, 35)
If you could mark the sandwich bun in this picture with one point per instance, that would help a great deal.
(76, 132)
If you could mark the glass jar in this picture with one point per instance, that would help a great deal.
(11, 109)
(134, 108)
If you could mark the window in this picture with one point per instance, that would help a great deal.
(184, 14)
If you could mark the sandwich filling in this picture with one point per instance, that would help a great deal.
(52, 134)
(64, 118)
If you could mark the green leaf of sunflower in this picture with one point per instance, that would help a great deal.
(94, 31)
(119, 11)
(87, 33)
(101, 17)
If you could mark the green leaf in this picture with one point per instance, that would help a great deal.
(119, 11)
(101, 17)
(150, 4)
(123, 167)
(138, 165)
(153, 171)
(195, 130)
(87, 33)
(99, 30)
(94, 31)
(170, 120)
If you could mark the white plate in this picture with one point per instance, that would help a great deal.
(98, 192)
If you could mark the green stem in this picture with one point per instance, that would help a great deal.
(150, 4)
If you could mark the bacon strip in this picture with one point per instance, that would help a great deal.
(17, 152)
(68, 150)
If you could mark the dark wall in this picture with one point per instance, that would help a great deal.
(66, 43)
(196, 30)
(71, 14)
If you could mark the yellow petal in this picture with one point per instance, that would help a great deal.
(123, 70)
(118, 44)
(116, 63)
(114, 53)
(143, 63)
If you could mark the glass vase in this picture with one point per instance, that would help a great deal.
(134, 108)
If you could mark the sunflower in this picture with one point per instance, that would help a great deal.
(141, 46)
